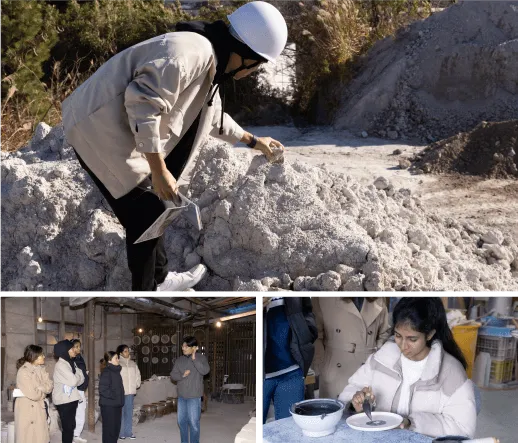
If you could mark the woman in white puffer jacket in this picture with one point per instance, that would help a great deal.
(420, 374)
(131, 380)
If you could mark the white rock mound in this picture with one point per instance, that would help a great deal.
(266, 227)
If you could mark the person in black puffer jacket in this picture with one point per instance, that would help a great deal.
(111, 397)
(289, 333)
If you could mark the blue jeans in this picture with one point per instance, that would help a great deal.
(189, 414)
(127, 416)
(285, 390)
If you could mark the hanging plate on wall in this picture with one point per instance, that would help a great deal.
(145, 339)
(137, 340)
(165, 349)
(145, 350)
(165, 339)
(165, 360)
(155, 339)
(156, 349)
(154, 360)
(145, 359)
(174, 339)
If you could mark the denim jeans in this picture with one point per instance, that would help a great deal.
(189, 414)
(285, 390)
(127, 416)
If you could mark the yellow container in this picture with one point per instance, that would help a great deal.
(466, 339)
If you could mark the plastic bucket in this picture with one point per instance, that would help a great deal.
(466, 338)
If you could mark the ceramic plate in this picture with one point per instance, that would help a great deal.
(154, 360)
(145, 359)
(155, 339)
(136, 340)
(145, 339)
(359, 421)
(145, 350)
(164, 339)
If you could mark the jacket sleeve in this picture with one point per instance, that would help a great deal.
(80, 377)
(458, 417)
(28, 385)
(307, 310)
(139, 378)
(319, 358)
(47, 383)
(64, 375)
(361, 378)
(384, 329)
(232, 132)
(153, 91)
(105, 387)
(176, 373)
(201, 364)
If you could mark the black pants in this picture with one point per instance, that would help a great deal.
(112, 416)
(67, 415)
(137, 210)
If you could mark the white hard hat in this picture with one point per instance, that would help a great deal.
(261, 27)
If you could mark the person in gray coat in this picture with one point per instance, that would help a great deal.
(188, 372)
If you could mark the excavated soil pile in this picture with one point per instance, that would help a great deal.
(266, 226)
(438, 77)
(490, 150)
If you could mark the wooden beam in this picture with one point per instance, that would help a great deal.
(36, 315)
(105, 329)
(90, 312)
(61, 320)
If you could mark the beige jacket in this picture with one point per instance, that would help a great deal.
(346, 338)
(130, 374)
(144, 99)
(63, 375)
(30, 418)
(442, 401)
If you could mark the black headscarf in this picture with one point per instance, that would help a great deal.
(224, 43)
(61, 349)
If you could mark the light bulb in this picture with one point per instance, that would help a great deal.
(218, 324)
(40, 320)
(140, 330)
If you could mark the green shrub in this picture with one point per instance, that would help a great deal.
(28, 34)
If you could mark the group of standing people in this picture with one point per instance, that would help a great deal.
(411, 366)
(117, 388)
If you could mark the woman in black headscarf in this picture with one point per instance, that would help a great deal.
(111, 398)
(67, 377)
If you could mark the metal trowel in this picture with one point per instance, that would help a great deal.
(367, 406)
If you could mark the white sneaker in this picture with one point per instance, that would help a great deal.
(180, 281)
(79, 440)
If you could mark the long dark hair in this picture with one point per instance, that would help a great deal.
(424, 314)
(120, 349)
(30, 355)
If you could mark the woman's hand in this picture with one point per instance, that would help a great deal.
(406, 424)
(272, 149)
(163, 181)
(186, 373)
(359, 398)
(194, 353)
(165, 186)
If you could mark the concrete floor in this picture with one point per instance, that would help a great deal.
(499, 415)
(220, 424)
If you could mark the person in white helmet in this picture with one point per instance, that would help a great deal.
(137, 122)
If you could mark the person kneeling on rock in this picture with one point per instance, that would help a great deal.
(138, 121)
